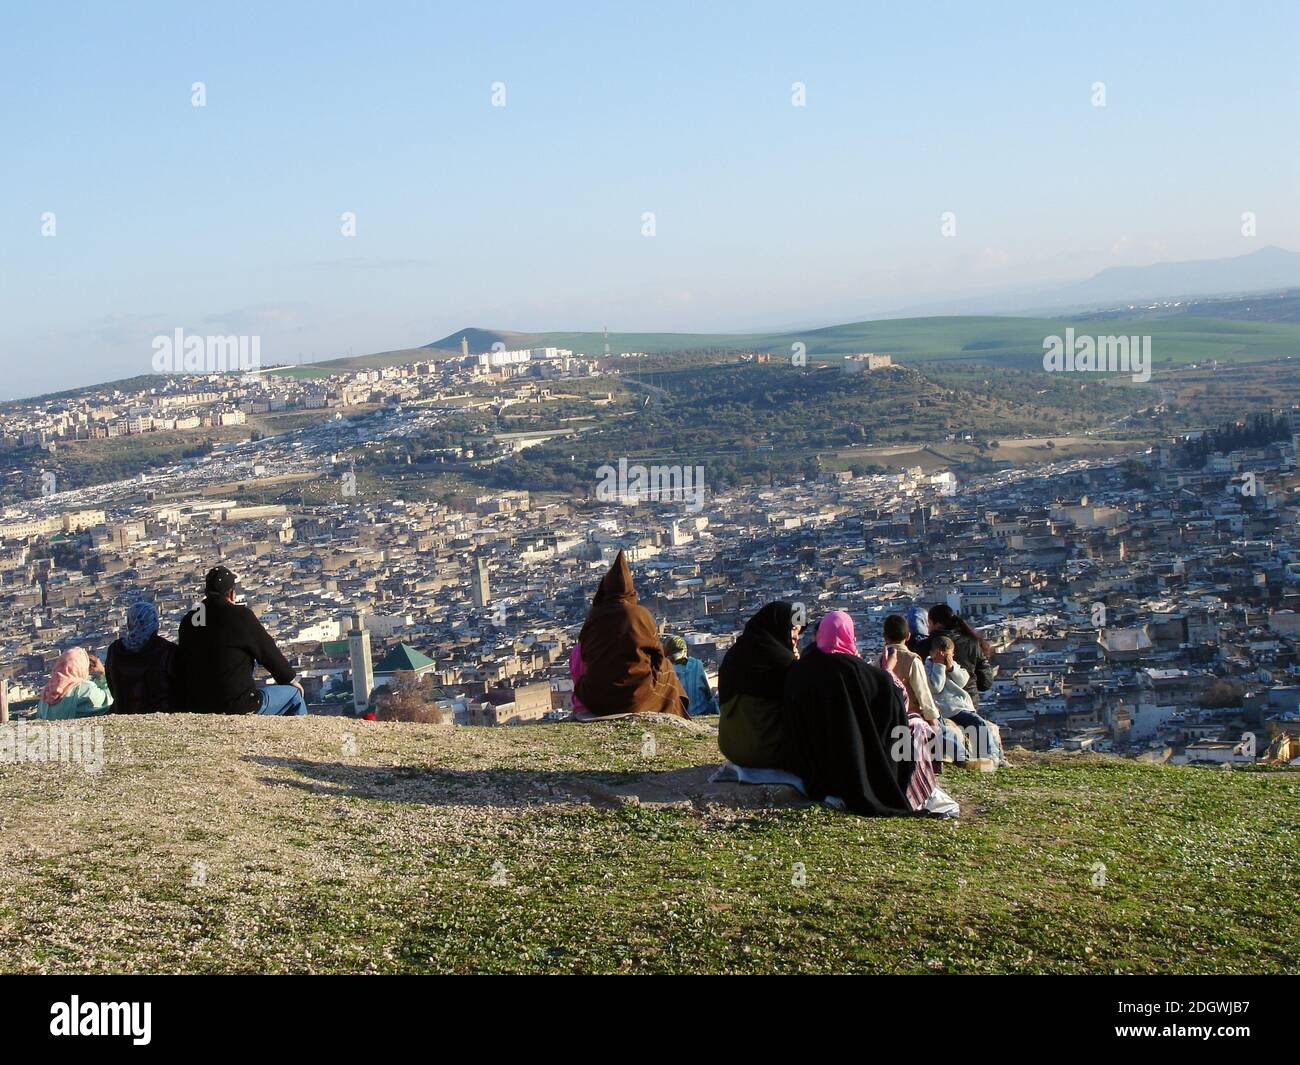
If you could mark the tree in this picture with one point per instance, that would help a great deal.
(407, 700)
(1222, 693)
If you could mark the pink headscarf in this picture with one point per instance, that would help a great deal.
(835, 634)
(72, 667)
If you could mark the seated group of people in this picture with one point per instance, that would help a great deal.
(870, 736)
(208, 670)
(867, 736)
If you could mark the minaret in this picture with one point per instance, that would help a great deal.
(479, 583)
(464, 347)
(607, 342)
(363, 673)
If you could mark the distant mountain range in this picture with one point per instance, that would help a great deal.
(1267, 270)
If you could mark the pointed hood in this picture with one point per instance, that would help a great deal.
(617, 584)
(625, 669)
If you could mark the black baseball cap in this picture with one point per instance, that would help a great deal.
(219, 581)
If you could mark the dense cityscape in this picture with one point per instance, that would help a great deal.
(1143, 604)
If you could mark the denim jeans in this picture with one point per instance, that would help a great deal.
(282, 700)
(953, 744)
(988, 747)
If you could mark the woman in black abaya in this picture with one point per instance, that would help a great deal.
(846, 727)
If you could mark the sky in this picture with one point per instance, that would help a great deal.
(126, 212)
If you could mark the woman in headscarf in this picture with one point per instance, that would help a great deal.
(624, 668)
(140, 663)
(847, 725)
(75, 688)
(751, 728)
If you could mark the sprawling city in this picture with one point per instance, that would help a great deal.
(597, 489)
(1143, 604)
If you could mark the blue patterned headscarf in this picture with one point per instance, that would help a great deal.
(141, 624)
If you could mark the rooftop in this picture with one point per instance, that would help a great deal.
(403, 657)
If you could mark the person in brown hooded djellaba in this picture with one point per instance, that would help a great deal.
(623, 666)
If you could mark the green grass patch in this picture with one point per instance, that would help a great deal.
(253, 845)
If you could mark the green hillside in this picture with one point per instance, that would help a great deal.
(219, 844)
(749, 423)
(1012, 341)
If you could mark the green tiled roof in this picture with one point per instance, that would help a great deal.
(403, 657)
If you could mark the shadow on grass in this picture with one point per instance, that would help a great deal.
(522, 787)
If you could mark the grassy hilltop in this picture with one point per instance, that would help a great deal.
(250, 845)
(1011, 341)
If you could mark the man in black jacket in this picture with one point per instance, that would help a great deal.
(219, 644)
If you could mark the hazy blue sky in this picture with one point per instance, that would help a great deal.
(226, 218)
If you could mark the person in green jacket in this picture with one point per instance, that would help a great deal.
(76, 688)
(750, 684)
(690, 671)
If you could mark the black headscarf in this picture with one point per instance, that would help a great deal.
(757, 661)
